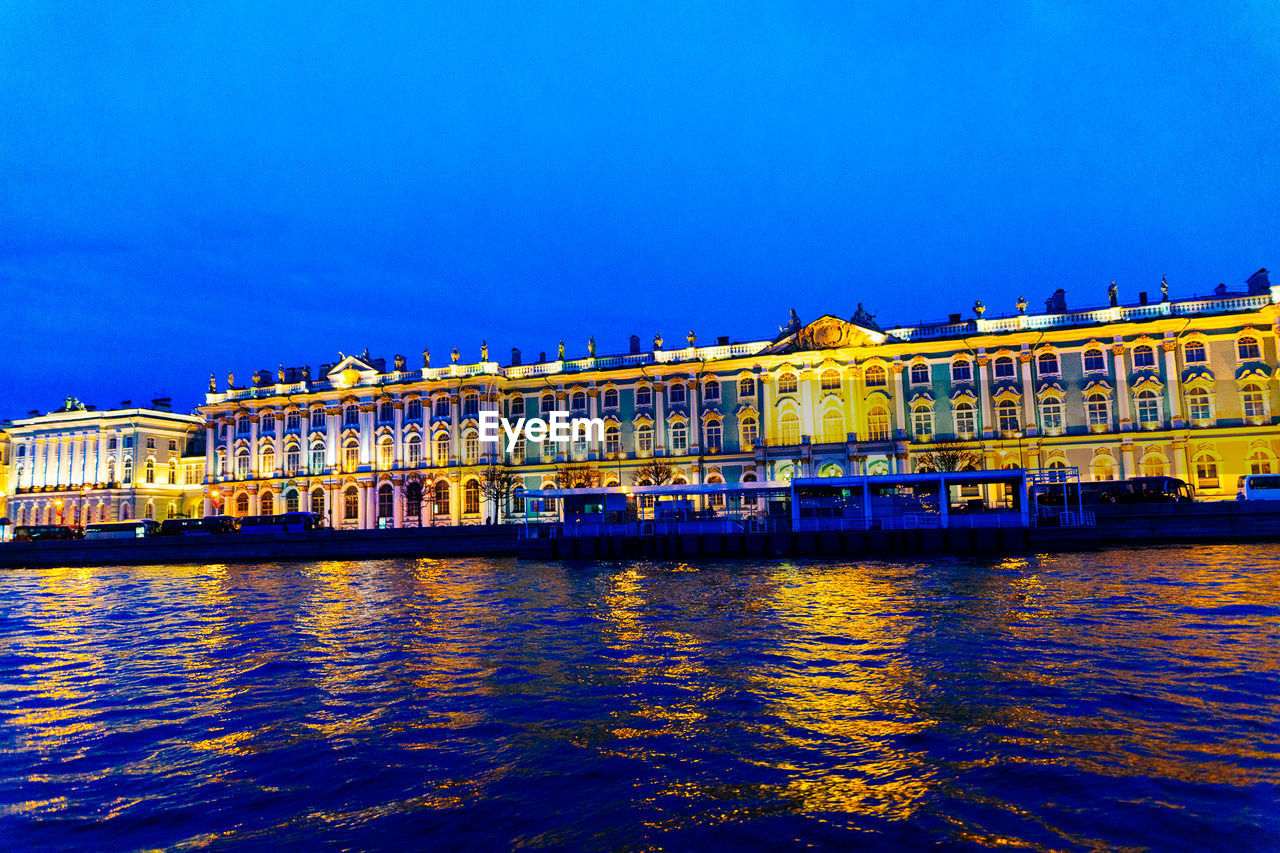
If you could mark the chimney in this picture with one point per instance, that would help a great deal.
(33, 413)
(542, 357)
(125, 404)
(162, 404)
(1056, 304)
(1142, 297)
(1258, 282)
(515, 357)
(635, 344)
(954, 318)
(91, 408)
(722, 341)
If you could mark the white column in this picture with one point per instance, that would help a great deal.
(253, 454)
(899, 398)
(366, 434)
(659, 418)
(397, 440)
(331, 449)
(210, 453)
(1173, 384)
(984, 395)
(397, 503)
(1122, 390)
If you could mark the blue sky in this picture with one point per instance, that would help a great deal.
(195, 188)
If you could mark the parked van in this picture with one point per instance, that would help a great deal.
(135, 529)
(1258, 487)
(40, 532)
(283, 522)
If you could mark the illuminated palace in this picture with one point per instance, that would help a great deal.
(80, 465)
(1180, 387)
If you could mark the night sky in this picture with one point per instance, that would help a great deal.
(226, 186)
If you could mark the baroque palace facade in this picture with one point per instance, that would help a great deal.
(79, 465)
(1185, 388)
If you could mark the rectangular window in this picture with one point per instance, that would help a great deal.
(292, 422)
(679, 439)
(151, 444)
(966, 421)
(317, 419)
(292, 460)
(1051, 416)
(317, 460)
(712, 391)
(1198, 403)
(413, 452)
(268, 423)
(644, 440)
(1094, 361)
(173, 445)
(750, 434)
(713, 437)
(922, 422)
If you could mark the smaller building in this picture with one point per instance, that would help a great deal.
(79, 465)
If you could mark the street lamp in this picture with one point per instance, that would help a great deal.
(213, 497)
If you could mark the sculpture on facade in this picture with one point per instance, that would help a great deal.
(979, 308)
(691, 337)
(280, 374)
(560, 351)
(306, 373)
(1022, 304)
(213, 384)
(426, 357)
(657, 342)
(399, 363)
(1164, 289)
(1111, 293)
(484, 350)
(591, 346)
(231, 381)
(793, 323)
(454, 355)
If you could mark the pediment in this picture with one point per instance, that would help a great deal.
(828, 332)
(352, 370)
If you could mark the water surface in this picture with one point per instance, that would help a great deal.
(1123, 699)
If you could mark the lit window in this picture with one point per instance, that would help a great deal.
(644, 440)
(1259, 462)
(830, 380)
(1251, 398)
(470, 448)
(679, 438)
(790, 428)
(746, 387)
(1098, 410)
(440, 502)
(317, 458)
(1051, 415)
(1148, 408)
(787, 383)
(833, 426)
(878, 424)
(1194, 353)
(413, 450)
(876, 377)
(750, 433)
(966, 420)
(351, 504)
(385, 449)
(442, 449)
(350, 455)
(922, 421)
(1104, 468)
(1248, 349)
(1207, 472)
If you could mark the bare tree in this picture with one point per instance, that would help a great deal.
(577, 475)
(948, 456)
(656, 472)
(497, 484)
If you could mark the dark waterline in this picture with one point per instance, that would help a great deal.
(1125, 698)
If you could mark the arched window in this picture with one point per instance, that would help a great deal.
(1104, 468)
(714, 433)
(1095, 361)
(675, 394)
(126, 512)
(1251, 400)
(830, 380)
(292, 458)
(1194, 353)
(878, 424)
(266, 504)
(966, 420)
(441, 503)
(149, 471)
(442, 448)
(1144, 356)
(579, 401)
(1004, 367)
(1097, 411)
(317, 457)
(1248, 349)
(644, 439)
(644, 395)
(385, 452)
(291, 500)
(470, 447)
(1047, 364)
(787, 383)
(413, 410)
(386, 412)
(1007, 416)
(548, 403)
(317, 501)
(876, 377)
(441, 408)
(610, 398)
(922, 421)
(1057, 462)
(111, 470)
(746, 387)
(268, 463)
(961, 370)
(350, 455)
(711, 391)
(789, 431)
(612, 440)
(517, 406)
(1259, 462)
(413, 450)
(679, 438)
(470, 405)
(1148, 408)
(351, 503)
(242, 504)
(351, 416)
(716, 499)
(1198, 406)
(386, 501)
(519, 452)
(1153, 465)
(749, 433)
(149, 511)
(173, 472)
(471, 497)
(413, 499)
(1051, 415)
(318, 418)
(833, 426)
(1206, 468)
(920, 373)
(126, 475)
